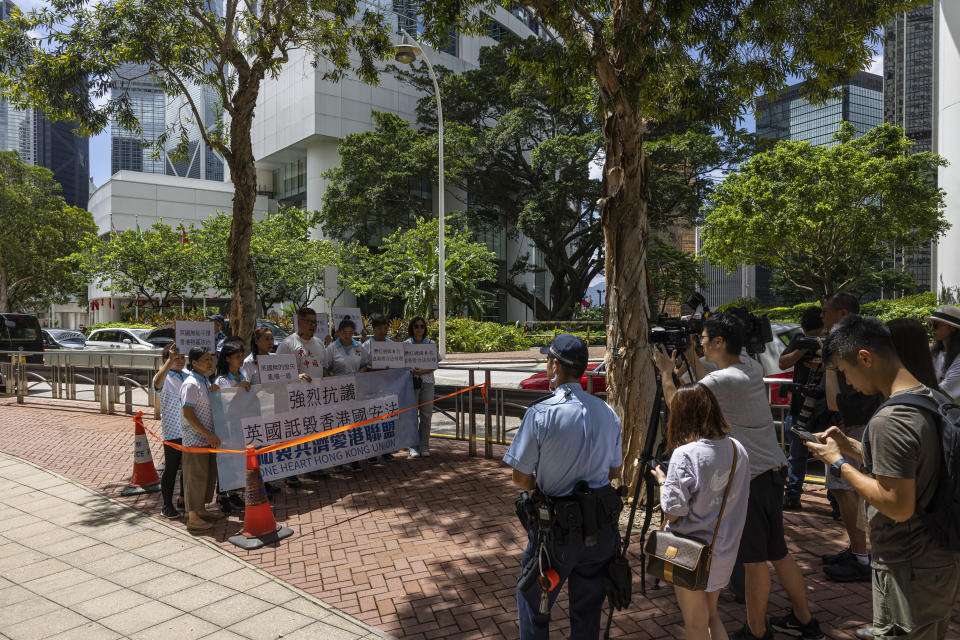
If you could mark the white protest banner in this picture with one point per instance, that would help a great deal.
(195, 334)
(347, 313)
(278, 412)
(277, 368)
(323, 327)
(420, 356)
(386, 355)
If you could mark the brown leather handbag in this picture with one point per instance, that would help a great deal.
(682, 560)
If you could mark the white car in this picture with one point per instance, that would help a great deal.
(111, 339)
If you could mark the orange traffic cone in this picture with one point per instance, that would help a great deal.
(145, 478)
(259, 526)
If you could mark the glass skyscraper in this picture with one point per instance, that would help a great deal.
(908, 103)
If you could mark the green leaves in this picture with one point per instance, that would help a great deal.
(823, 217)
(39, 235)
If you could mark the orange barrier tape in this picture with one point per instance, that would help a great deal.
(313, 436)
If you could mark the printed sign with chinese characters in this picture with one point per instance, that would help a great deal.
(323, 327)
(420, 356)
(277, 368)
(280, 412)
(386, 355)
(347, 313)
(195, 334)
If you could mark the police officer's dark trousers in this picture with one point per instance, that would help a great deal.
(583, 569)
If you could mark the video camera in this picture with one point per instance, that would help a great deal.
(757, 331)
(674, 333)
(814, 391)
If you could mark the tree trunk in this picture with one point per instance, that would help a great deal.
(4, 292)
(623, 211)
(243, 306)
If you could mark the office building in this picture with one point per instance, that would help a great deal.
(790, 116)
(130, 151)
(67, 155)
(946, 139)
(908, 103)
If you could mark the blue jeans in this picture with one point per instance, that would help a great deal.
(797, 463)
(585, 567)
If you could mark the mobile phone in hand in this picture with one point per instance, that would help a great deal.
(803, 433)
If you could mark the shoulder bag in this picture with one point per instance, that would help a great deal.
(682, 560)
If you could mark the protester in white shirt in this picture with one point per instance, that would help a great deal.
(261, 343)
(345, 356)
(303, 344)
(422, 391)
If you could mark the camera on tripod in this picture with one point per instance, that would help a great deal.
(674, 332)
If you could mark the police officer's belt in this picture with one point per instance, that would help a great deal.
(576, 518)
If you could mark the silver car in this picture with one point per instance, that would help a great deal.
(114, 338)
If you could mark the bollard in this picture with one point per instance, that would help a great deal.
(487, 427)
(20, 378)
(473, 418)
(127, 397)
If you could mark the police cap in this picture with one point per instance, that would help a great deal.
(568, 349)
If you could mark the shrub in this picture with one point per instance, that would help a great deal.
(121, 325)
(917, 306)
(470, 336)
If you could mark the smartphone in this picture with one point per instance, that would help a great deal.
(803, 433)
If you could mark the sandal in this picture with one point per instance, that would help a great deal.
(194, 527)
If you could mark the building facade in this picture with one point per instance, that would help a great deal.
(67, 155)
(908, 102)
(946, 137)
(790, 116)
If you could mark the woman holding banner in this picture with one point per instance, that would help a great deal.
(261, 343)
(423, 382)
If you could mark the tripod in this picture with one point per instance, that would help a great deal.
(648, 455)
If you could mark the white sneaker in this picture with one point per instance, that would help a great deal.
(415, 454)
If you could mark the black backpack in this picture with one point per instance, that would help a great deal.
(942, 515)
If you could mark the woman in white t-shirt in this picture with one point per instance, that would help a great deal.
(261, 343)
(423, 392)
(167, 383)
(944, 323)
(692, 496)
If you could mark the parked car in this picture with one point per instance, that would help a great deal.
(113, 338)
(162, 336)
(63, 339)
(21, 332)
(783, 332)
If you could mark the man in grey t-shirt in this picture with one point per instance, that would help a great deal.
(915, 581)
(742, 396)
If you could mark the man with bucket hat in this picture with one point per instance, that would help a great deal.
(944, 324)
(566, 452)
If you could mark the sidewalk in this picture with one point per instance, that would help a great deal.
(426, 548)
(76, 564)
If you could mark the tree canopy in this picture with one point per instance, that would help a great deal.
(154, 264)
(651, 60)
(39, 235)
(66, 58)
(824, 217)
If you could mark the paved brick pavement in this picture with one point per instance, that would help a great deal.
(76, 564)
(424, 548)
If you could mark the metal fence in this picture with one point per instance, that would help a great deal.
(113, 380)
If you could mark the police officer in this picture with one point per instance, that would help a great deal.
(567, 451)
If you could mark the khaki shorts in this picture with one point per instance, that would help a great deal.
(199, 479)
(913, 599)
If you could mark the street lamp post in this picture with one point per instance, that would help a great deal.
(406, 54)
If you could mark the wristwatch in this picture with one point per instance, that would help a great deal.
(838, 465)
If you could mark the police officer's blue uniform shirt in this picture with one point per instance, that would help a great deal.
(575, 433)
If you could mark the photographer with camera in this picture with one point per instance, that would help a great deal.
(855, 410)
(808, 406)
(564, 456)
(742, 397)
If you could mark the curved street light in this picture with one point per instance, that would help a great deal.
(406, 53)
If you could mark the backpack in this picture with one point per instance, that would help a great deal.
(942, 515)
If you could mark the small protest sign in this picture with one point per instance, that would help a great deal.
(386, 355)
(420, 356)
(343, 313)
(195, 334)
(277, 368)
(323, 327)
